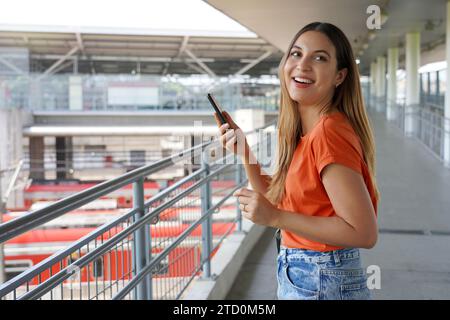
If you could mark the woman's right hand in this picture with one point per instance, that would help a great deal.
(231, 134)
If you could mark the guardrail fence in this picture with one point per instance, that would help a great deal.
(152, 251)
(424, 122)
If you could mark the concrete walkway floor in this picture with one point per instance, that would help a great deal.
(413, 251)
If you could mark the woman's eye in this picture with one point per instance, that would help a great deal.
(321, 58)
(295, 54)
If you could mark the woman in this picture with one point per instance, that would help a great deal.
(323, 194)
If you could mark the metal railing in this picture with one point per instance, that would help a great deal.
(153, 251)
(424, 122)
(398, 114)
(431, 128)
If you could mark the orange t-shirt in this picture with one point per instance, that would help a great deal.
(332, 140)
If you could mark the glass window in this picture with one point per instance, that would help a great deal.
(137, 158)
(433, 84)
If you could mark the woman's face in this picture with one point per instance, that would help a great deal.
(310, 71)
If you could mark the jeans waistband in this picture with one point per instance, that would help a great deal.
(294, 254)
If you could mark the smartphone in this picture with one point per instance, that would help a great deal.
(217, 108)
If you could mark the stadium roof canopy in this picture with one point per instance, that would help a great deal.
(150, 37)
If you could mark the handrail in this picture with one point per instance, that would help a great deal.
(25, 223)
(92, 255)
(27, 275)
(38, 217)
(167, 250)
(426, 121)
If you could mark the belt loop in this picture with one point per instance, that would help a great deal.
(282, 255)
(337, 259)
(285, 260)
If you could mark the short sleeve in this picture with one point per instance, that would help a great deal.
(336, 143)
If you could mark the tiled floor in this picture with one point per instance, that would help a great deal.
(415, 199)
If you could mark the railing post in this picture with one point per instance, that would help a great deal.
(2, 210)
(141, 245)
(207, 223)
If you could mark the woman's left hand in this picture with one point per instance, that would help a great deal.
(256, 207)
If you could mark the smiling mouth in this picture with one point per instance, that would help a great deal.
(303, 80)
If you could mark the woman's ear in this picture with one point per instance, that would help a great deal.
(340, 77)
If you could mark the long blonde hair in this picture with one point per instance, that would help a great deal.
(347, 99)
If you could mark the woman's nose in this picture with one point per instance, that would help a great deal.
(303, 64)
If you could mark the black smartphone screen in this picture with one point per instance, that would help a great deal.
(217, 108)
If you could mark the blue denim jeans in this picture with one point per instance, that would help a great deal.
(312, 275)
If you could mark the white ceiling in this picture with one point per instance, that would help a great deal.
(277, 21)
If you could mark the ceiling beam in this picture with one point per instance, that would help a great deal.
(120, 58)
(61, 60)
(196, 68)
(183, 46)
(62, 67)
(11, 66)
(80, 42)
(200, 63)
(180, 52)
(254, 63)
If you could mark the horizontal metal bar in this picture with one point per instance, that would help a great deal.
(27, 222)
(168, 190)
(32, 272)
(92, 255)
(62, 275)
(125, 290)
(31, 220)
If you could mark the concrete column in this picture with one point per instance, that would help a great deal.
(447, 94)
(381, 88)
(412, 81)
(11, 147)
(392, 82)
(36, 148)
